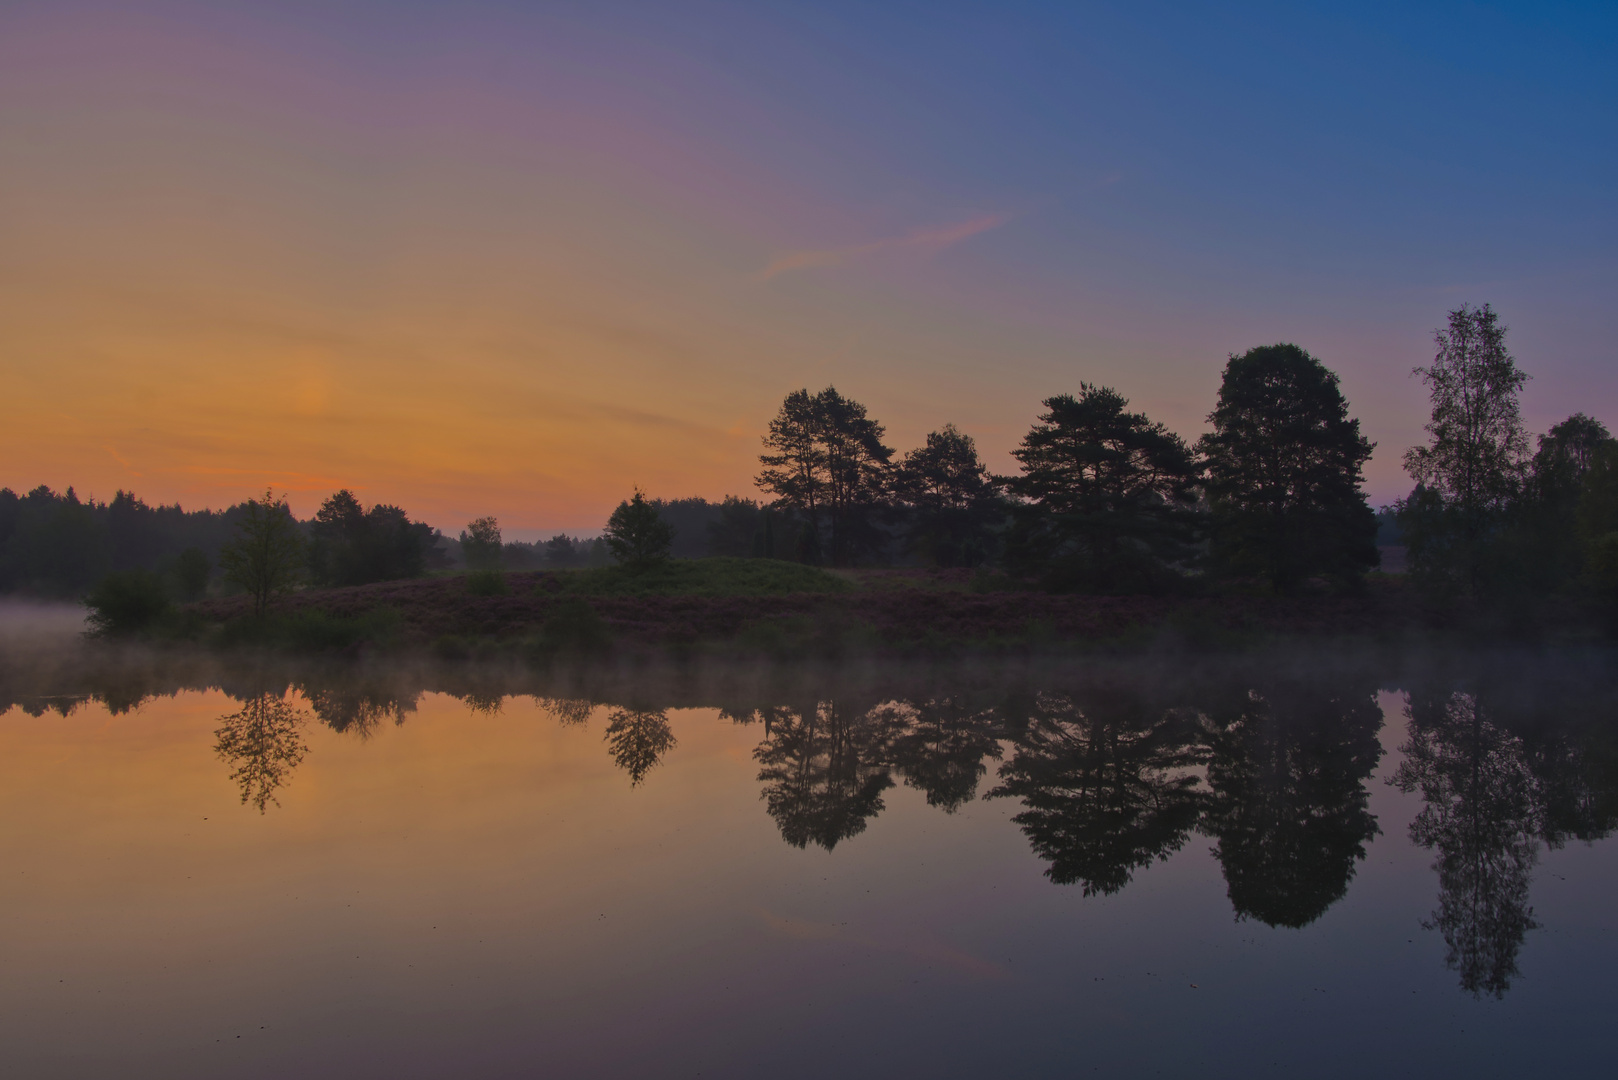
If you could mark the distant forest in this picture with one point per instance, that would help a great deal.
(1107, 500)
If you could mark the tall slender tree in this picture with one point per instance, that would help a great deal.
(1473, 465)
(267, 554)
(1284, 461)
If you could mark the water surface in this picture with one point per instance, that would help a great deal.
(1306, 864)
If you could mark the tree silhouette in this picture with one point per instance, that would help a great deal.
(824, 771)
(824, 457)
(267, 554)
(1482, 813)
(638, 537)
(1110, 496)
(638, 739)
(951, 499)
(1472, 467)
(1287, 770)
(1284, 462)
(264, 743)
(1105, 777)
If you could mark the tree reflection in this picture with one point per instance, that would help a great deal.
(1483, 815)
(1105, 777)
(941, 746)
(1289, 805)
(359, 712)
(264, 742)
(638, 739)
(569, 712)
(824, 771)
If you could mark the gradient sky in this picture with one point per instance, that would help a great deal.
(515, 258)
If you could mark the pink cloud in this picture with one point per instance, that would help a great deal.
(929, 241)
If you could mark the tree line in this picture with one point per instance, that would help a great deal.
(1109, 500)
(1106, 500)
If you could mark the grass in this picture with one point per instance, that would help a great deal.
(708, 577)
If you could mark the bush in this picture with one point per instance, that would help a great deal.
(487, 583)
(126, 602)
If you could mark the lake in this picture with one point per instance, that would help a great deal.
(1313, 864)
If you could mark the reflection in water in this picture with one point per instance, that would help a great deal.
(1483, 814)
(1112, 765)
(264, 743)
(568, 711)
(1106, 777)
(942, 747)
(824, 771)
(359, 711)
(638, 739)
(1287, 769)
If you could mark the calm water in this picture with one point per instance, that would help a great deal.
(1299, 866)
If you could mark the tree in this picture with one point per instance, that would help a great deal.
(267, 554)
(481, 546)
(1110, 495)
(1471, 469)
(824, 456)
(1597, 521)
(192, 569)
(1283, 463)
(638, 536)
(951, 497)
(1542, 547)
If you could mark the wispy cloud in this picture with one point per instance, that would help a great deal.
(929, 241)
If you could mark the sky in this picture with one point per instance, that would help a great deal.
(518, 258)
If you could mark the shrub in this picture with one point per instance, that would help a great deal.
(126, 602)
(486, 583)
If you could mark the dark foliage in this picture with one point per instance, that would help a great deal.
(1471, 472)
(825, 459)
(1283, 472)
(58, 545)
(350, 545)
(1110, 498)
(126, 601)
(953, 506)
(637, 535)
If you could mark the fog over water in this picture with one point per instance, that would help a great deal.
(1318, 862)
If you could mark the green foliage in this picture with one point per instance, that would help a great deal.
(192, 571)
(267, 554)
(638, 536)
(1110, 497)
(1284, 477)
(709, 577)
(481, 546)
(126, 602)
